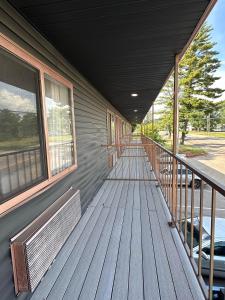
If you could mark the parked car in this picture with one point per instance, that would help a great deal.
(219, 244)
(218, 292)
(181, 177)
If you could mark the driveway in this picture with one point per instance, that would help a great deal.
(215, 158)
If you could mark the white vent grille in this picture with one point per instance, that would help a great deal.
(34, 248)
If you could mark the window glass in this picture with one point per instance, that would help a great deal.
(113, 129)
(109, 128)
(60, 126)
(22, 162)
(219, 249)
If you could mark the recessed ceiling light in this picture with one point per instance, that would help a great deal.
(134, 94)
(135, 110)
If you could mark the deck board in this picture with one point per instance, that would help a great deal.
(120, 286)
(135, 274)
(150, 277)
(122, 248)
(90, 284)
(181, 285)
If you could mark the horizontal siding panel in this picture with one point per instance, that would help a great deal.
(90, 120)
(88, 110)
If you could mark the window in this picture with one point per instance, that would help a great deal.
(123, 129)
(205, 235)
(60, 126)
(219, 249)
(22, 161)
(118, 130)
(183, 171)
(111, 128)
(37, 134)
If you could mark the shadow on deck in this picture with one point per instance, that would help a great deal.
(122, 248)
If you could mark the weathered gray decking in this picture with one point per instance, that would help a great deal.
(122, 248)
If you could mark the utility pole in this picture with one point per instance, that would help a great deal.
(208, 123)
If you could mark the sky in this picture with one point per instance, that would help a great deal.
(217, 20)
(16, 99)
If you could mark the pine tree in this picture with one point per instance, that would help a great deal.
(196, 78)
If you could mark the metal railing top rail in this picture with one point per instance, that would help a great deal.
(207, 179)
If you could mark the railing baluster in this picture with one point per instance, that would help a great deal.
(186, 202)
(30, 165)
(181, 190)
(200, 231)
(17, 170)
(35, 159)
(9, 173)
(212, 237)
(171, 196)
(175, 190)
(192, 214)
(167, 179)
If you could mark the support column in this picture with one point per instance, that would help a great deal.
(175, 142)
(152, 116)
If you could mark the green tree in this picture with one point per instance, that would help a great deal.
(196, 87)
(9, 125)
(221, 113)
(196, 78)
(28, 125)
(166, 99)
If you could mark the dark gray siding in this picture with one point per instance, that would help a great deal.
(90, 120)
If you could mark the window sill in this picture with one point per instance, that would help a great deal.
(28, 195)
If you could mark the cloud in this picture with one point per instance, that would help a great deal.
(20, 102)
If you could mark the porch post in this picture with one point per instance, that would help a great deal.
(152, 116)
(175, 141)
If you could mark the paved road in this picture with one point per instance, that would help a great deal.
(220, 202)
(216, 152)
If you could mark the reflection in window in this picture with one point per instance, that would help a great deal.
(113, 129)
(21, 158)
(60, 129)
(219, 249)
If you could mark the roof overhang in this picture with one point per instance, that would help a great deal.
(121, 47)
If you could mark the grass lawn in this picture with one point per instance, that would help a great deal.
(28, 142)
(60, 138)
(19, 144)
(189, 151)
(208, 134)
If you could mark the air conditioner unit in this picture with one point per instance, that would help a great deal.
(35, 247)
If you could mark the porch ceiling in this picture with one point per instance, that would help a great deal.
(120, 46)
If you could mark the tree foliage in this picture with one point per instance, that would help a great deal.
(196, 84)
(14, 125)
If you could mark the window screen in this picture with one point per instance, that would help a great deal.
(60, 127)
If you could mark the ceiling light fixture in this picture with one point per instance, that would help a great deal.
(134, 94)
(135, 110)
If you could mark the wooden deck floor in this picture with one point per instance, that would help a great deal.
(133, 164)
(122, 248)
